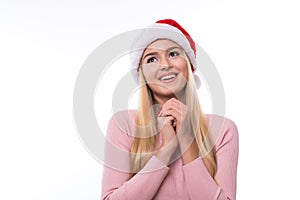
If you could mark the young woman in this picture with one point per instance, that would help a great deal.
(169, 149)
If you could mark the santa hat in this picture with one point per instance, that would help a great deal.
(164, 29)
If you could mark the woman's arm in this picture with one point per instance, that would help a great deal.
(199, 182)
(116, 183)
(144, 185)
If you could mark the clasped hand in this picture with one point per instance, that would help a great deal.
(174, 125)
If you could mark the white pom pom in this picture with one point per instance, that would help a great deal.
(197, 80)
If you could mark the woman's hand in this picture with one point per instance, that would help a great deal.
(182, 122)
(168, 136)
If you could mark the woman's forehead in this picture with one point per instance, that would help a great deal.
(161, 44)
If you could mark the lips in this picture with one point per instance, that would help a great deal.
(168, 77)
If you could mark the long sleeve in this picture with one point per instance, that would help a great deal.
(116, 183)
(200, 184)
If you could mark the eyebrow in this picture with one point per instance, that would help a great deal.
(155, 53)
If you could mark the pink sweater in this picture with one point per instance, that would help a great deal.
(176, 181)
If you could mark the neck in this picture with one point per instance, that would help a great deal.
(161, 100)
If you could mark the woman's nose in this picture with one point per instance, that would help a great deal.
(164, 63)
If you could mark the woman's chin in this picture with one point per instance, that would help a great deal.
(169, 92)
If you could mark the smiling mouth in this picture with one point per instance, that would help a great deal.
(168, 77)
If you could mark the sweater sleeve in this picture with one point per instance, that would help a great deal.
(116, 182)
(199, 182)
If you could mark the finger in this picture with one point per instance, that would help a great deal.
(174, 102)
(170, 119)
(166, 119)
(173, 106)
(167, 109)
(171, 101)
(172, 112)
(174, 123)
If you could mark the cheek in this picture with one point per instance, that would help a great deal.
(149, 75)
(182, 68)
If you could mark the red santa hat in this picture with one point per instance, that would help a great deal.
(164, 29)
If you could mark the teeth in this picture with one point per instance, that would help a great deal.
(168, 77)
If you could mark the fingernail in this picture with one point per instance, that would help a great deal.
(157, 114)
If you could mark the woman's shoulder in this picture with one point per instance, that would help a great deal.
(125, 114)
(222, 129)
(124, 120)
(220, 119)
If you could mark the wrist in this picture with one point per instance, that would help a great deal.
(163, 156)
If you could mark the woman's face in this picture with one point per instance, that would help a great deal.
(164, 67)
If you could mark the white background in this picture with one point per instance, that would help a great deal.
(254, 45)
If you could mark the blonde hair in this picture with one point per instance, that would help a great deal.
(144, 143)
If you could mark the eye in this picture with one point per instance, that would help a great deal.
(174, 53)
(151, 60)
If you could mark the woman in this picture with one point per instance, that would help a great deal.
(169, 149)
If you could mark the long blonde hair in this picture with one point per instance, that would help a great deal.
(144, 143)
